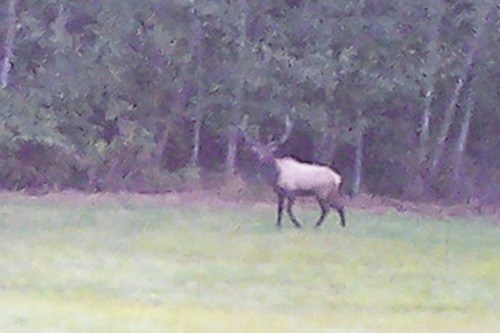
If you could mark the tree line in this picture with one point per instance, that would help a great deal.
(401, 97)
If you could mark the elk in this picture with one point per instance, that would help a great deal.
(291, 178)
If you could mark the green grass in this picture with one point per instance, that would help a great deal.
(143, 267)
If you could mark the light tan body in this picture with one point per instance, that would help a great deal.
(296, 176)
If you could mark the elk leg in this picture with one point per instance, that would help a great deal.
(342, 217)
(290, 213)
(324, 211)
(281, 201)
(340, 209)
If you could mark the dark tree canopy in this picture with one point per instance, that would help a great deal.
(401, 97)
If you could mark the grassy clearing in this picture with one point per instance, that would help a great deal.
(126, 267)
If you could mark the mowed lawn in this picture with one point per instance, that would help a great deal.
(140, 266)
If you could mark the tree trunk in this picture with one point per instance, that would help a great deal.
(9, 45)
(196, 143)
(238, 89)
(242, 62)
(197, 51)
(232, 146)
(436, 15)
(329, 142)
(460, 180)
(324, 152)
(161, 143)
(449, 111)
(358, 159)
(423, 149)
(464, 128)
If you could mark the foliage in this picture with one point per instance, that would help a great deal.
(121, 87)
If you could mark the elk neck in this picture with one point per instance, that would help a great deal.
(269, 170)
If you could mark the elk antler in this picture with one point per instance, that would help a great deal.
(273, 145)
(288, 130)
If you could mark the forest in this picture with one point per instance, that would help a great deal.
(400, 97)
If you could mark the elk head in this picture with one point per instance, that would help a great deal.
(265, 151)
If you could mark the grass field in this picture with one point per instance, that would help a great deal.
(139, 266)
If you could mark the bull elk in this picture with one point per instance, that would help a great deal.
(291, 178)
